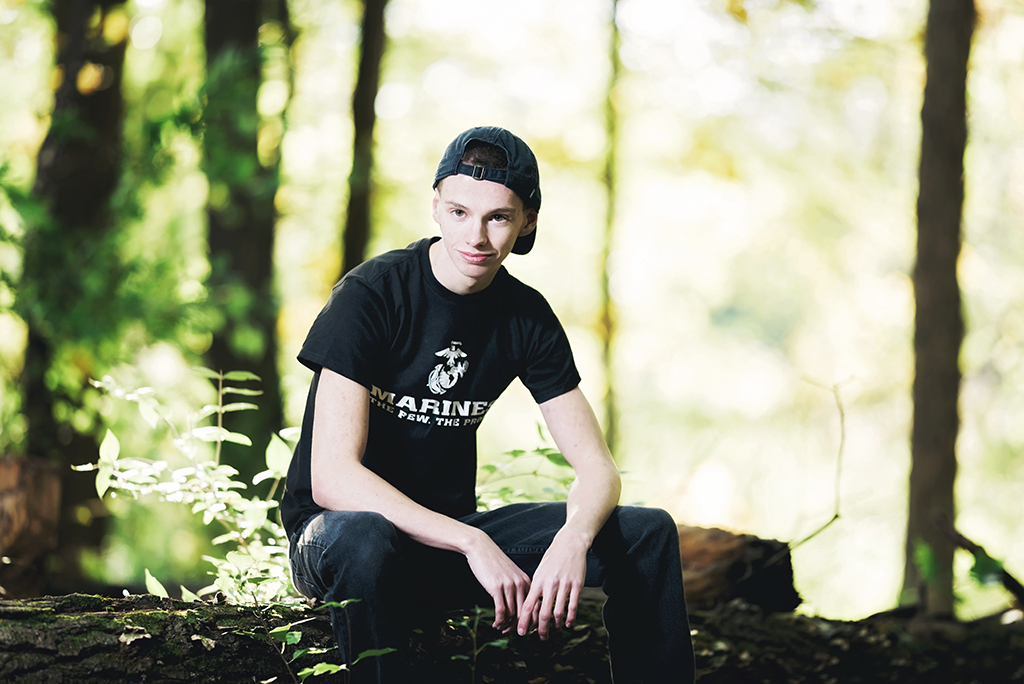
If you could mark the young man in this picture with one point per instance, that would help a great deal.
(408, 355)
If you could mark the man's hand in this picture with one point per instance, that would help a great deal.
(502, 579)
(555, 590)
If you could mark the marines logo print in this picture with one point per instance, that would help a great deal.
(446, 374)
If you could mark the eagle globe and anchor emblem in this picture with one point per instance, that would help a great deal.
(446, 374)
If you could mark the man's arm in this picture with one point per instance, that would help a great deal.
(340, 482)
(556, 585)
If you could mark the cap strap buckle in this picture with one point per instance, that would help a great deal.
(478, 173)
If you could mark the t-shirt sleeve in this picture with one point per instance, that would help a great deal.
(349, 335)
(549, 370)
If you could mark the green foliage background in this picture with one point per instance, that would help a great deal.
(764, 237)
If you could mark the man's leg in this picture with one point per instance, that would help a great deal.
(635, 557)
(343, 555)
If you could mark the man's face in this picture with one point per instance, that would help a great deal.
(480, 221)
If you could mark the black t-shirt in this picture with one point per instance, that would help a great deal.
(433, 362)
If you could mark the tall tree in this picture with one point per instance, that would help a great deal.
(241, 221)
(939, 324)
(364, 117)
(70, 270)
(606, 322)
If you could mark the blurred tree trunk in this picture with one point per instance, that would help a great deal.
(69, 278)
(241, 221)
(607, 322)
(364, 96)
(939, 323)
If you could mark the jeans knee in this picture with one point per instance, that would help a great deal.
(651, 530)
(360, 538)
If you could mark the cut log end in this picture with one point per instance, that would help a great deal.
(719, 566)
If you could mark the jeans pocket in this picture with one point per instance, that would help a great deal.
(300, 581)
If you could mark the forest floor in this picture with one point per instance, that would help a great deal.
(85, 639)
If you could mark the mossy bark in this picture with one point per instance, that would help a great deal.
(86, 639)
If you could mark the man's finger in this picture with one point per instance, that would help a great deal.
(545, 616)
(521, 595)
(528, 611)
(574, 601)
(511, 603)
(559, 607)
(499, 610)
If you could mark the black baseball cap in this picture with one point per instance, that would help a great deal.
(521, 175)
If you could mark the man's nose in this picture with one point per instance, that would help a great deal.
(478, 233)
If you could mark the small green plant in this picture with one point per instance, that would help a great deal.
(471, 623)
(496, 482)
(255, 569)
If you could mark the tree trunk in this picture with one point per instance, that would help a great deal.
(357, 218)
(939, 324)
(241, 223)
(70, 265)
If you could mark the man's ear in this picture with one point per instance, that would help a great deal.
(435, 203)
(531, 222)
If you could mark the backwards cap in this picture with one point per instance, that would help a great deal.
(521, 175)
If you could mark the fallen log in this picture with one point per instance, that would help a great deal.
(719, 566)
(93, 640)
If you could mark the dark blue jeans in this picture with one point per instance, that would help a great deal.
(635, 558)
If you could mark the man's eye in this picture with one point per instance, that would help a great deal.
(458, 212)
(500, 217)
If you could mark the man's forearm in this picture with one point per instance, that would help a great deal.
(356, 488)
(591, 500)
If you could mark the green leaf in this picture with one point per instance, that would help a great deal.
(103, 478)
(279, 456)
(187, 595)
(238, 406)
(459, 656)
(206, 372)
(243, 391)
(339, 604)
(153, 586)
(497, 643)
(291, 434)
(319, 669)
(240, 560)
(285, 635)
(556, 458)
(109, 448)
(226, 537)
(213, 433)
(264, 475)
(241, 376)
(373, 653)
(149, 414)
(986, 569)
(238, 438)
